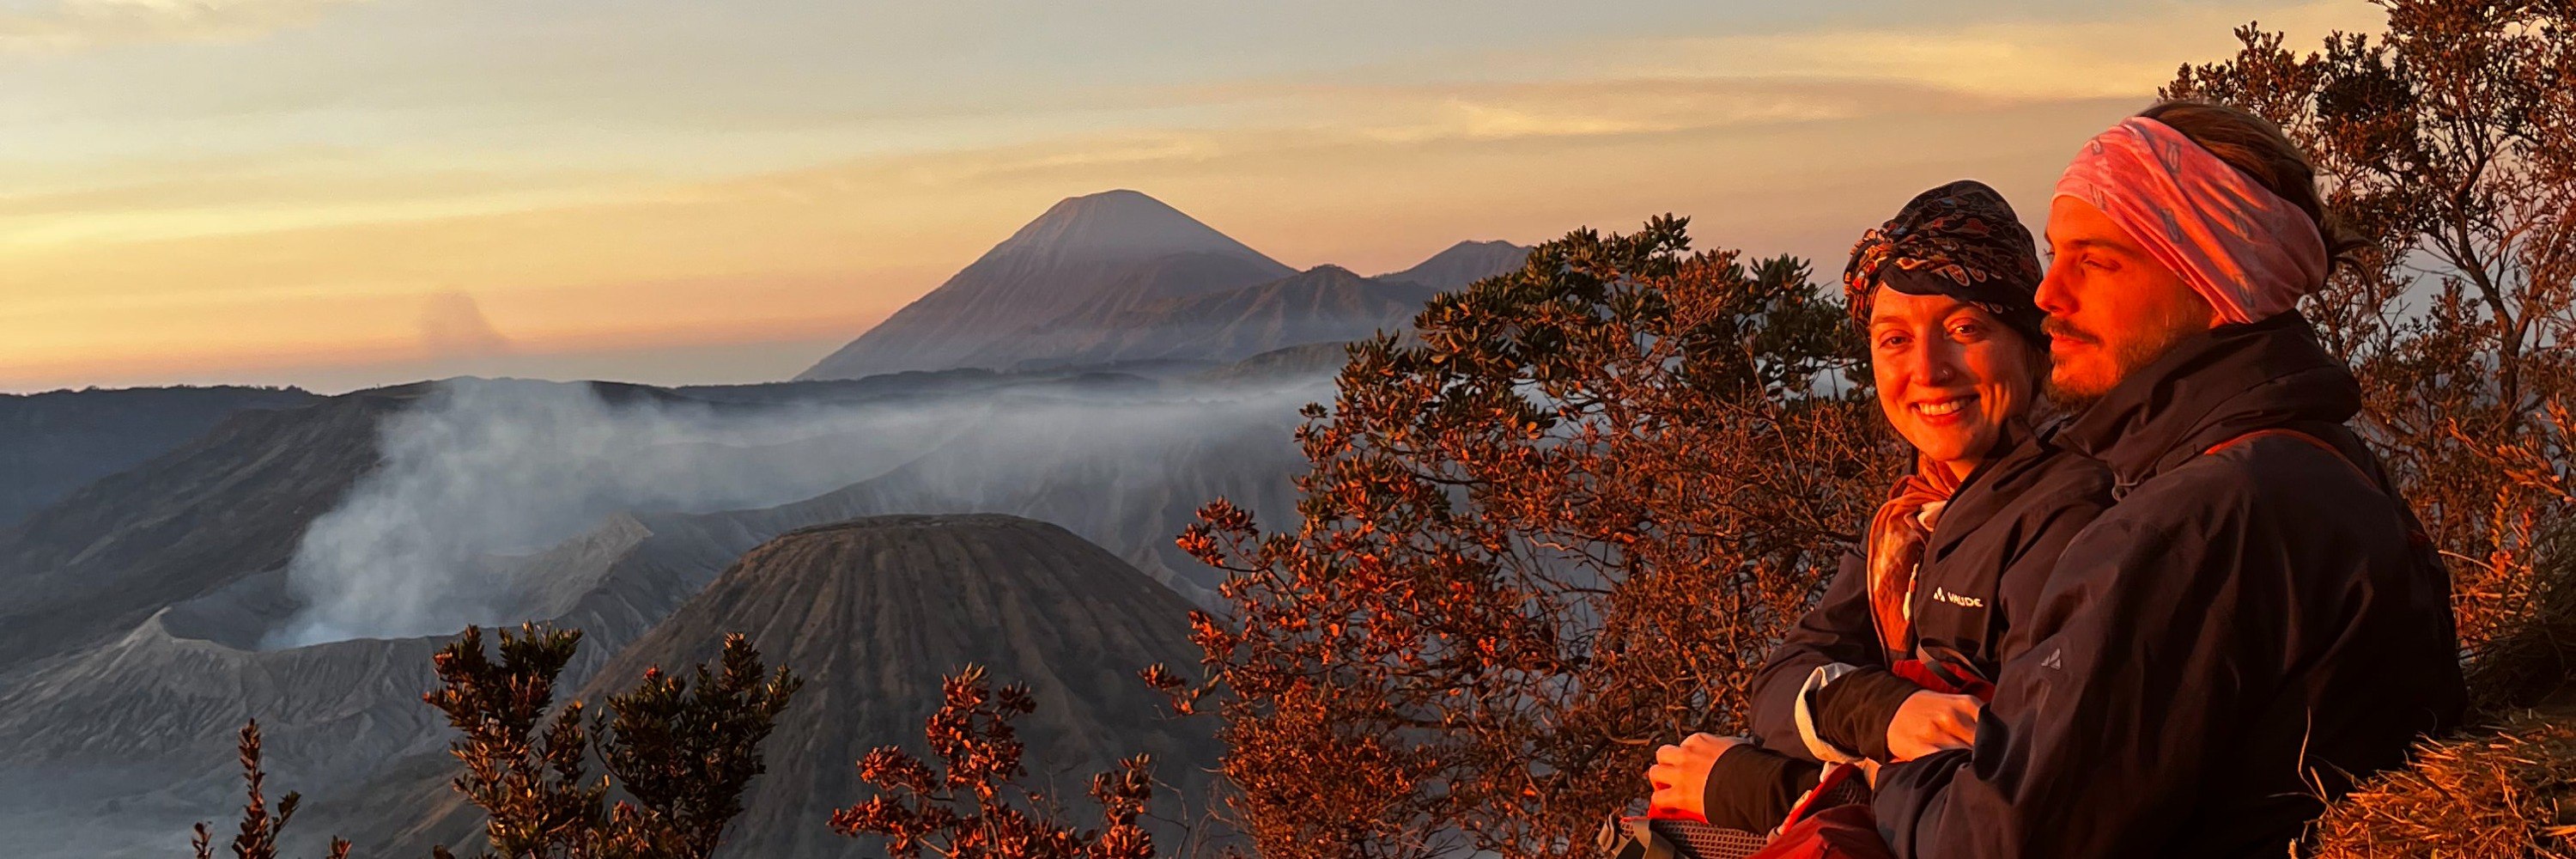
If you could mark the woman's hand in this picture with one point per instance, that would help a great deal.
(1680, 776)
(1929, 722)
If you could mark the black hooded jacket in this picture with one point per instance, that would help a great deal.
(1982, 569)
(2244, 629)
(1981, 573)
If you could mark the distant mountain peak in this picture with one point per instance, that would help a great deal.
(1114, 204)
(1113, 248)
(1463, 263)
(1120, 223)
(1475, 249)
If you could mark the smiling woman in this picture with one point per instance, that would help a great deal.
(1892, 665)
(1951, 376)
(1954, 341)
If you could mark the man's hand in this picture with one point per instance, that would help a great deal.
(1930, 721)
(1680, 776)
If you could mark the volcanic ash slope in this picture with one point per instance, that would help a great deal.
(873, 612)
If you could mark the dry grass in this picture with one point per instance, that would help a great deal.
(2507, 789)
(2507, 792)
(2536, 654)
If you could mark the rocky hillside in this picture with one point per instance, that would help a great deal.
(872, 612)
(56, 442)
(146, 719)
(141, 636)
(225, 506)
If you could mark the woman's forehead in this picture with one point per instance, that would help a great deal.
(1893, 306)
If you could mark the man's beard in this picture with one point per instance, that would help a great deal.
(2126, 359)
(2070, 402)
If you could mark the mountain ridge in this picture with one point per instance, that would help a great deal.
(1327, 303)
(1463, 263)
(55, 442)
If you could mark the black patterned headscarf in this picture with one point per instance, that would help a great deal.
(1960, 240)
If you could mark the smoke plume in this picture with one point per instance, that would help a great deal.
(452, 325)
(482, 470)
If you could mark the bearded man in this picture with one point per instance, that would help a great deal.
(2258, 619)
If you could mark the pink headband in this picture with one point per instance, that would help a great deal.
(2242, 247)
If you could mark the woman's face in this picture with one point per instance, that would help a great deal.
(1950, 375)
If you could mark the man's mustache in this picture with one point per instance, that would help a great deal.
(2060, 328)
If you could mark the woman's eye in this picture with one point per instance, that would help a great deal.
(2096, 261)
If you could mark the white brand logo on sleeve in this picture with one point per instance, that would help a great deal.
(1960, 600)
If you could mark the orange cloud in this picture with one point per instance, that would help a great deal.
(2122, 55)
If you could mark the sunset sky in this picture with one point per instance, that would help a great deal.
(342, 193)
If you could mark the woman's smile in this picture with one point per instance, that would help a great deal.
(1946, 410)
(1950, 375)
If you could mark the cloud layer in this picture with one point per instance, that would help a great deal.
(601, 182)
(72, 25)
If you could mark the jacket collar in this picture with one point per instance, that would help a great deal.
(1976, 500)
(2211, 387)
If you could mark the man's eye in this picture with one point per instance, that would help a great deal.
(1891, 341)
(1967, 330)
(2096, 261)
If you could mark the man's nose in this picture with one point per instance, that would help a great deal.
(2056, 296)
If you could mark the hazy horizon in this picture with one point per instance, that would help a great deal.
(344, 193)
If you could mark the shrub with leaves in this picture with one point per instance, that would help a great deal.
(685, 754)
(971, 807)
(2532, 655)
(1560, 524)
(687, 747)
(526, 772)
(259, 829)
(2449, 141)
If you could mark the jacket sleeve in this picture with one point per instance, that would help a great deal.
(1752, 788)
(2063, 513)
(2152, 642)
(1838, 629)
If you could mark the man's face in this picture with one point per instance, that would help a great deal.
(2111, 308)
